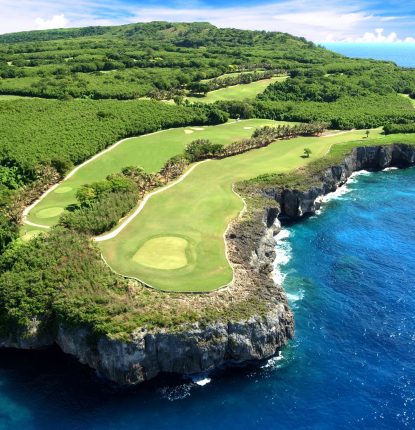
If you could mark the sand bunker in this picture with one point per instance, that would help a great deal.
(248, 128)
(197, 128)
(163, 253)
(189, 131)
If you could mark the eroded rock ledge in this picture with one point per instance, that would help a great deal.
(195, 348)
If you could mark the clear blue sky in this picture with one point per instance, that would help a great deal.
(318, 20)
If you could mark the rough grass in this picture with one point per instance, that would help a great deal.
(199, 210)
(238, 92)
(149, 152)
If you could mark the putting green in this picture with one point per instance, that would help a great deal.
(200, 208)
(164, 253)
(238, 92)
(52, 212)
(150, 152)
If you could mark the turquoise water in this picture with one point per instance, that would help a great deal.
(349, 276)
(402, 54)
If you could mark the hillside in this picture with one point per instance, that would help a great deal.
(141, 59)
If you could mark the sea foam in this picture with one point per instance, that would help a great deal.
(283, 255)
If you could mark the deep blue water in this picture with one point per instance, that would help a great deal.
(402, 54)
(349, 274)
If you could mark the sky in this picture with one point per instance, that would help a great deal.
(317, 20)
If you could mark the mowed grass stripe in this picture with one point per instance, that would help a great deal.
(149, 152)
(198, 210)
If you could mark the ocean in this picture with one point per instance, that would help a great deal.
(403, 54)
(348, 273)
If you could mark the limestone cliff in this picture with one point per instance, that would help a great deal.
(295, 204)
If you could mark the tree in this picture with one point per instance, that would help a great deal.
(307, 152)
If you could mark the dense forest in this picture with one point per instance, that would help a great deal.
(136, 60)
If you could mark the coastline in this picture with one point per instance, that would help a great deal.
(198, 348)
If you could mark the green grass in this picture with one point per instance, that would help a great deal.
(149, 151)
(238, 92)
(198, 210)
(7, 97)
(232, 74)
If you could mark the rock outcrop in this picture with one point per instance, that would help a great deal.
(295, 204)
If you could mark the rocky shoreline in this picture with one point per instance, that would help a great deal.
(195, 348)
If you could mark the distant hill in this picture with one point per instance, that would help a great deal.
(134, 60)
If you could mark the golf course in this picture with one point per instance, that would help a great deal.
(176, 243)
(148, 151)
(237, 92)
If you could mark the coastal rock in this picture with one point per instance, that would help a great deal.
(296, 204)
(195, 350)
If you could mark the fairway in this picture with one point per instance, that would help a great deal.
(198, 210)
(149, 152)
(238, 92)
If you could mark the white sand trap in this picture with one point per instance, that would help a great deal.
(248, 128)
(62, 190)
(189, 131)
(197, 128)
(163, 253)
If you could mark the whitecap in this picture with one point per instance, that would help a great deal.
(388, 169)
(283, 253)
(344, 189)
(295, 297)
(201, 379)
(274, 362)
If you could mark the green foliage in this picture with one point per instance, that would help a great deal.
(67, 133)
(101, 213)
(406, 127)
(307, 152)
(201, 149)
(354, 98)
(102, 204)
(141, 59)
(346, 113)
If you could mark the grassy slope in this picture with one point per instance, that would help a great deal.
(238, 92)
(149, 151)
(199, 210)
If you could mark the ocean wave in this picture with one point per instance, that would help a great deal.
(344, 189)
(201, 379)
(294, 297)
(274, 362)
(283, 255)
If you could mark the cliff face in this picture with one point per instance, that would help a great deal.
(295, 204)
(195, 350)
